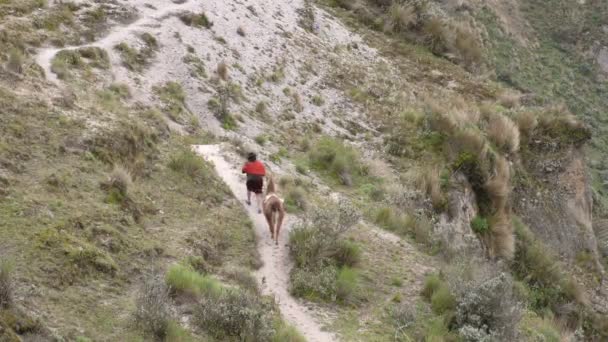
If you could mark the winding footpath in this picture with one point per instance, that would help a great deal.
(274, 275)
(149, 17)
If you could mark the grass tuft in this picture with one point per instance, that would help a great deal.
(183, 279)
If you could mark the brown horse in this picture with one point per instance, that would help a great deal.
(274, 210)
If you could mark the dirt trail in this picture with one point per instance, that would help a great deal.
(148, 17)
(274, 275)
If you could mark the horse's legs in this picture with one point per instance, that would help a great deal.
(281, 214)
(270, 220)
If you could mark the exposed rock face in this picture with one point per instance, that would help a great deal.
(559, 208)
(455, 225)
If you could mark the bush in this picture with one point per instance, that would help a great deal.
(222, 70)
(120, 180)
(236, 314)
(244, 279)
(287, 333)
(388, 218)
(190, 164)
(340, 161)
(489, 310)
(183, 279)
(196, 20)
(348, 253)
(431, 284)
(296, 198)
(319, 283)
(401, 17)
(503, 133)
(15, 61)
(6, 284)
(153, 307)
(480, 225)
(443, 300)
(346, 284)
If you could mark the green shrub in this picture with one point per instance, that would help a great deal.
(342, 162)
(318, 100)
(401, 224)
(431, 284)
(480, 225)
(347, 253)
(183, 279)
(296, 199)
(196, 20)
(176, 333)
(346, 284)
(443, 300)
(236, 314)
(314, 284)
(261, 139)
(188, 163)
(6, 283)
(287, 333)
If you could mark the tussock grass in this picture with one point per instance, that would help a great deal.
(183, 279)
(527, 122)
(6, 283)
(138, 59)
(15, 61)
(400, 17)
(190, 164)
(222, 70)
(504, 133)
(67, 60)
(390, 219)
(338, 160)
(196, 20)
(287, 333)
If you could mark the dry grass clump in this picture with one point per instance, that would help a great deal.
(471, 141)
(502, 239)
(504, 133)
(435, 35)
(120, 179)
(401, 17)
(429, 182)
(15, 61)
(196, 20)
(508, 99)
(222, 70)
(527, 122)
(466, 44)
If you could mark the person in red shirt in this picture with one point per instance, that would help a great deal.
(255, 179)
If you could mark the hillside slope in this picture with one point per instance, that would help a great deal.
(432, 157)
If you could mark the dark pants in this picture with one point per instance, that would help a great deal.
(255, 183)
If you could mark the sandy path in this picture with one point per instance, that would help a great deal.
(148, 17)
(274, 275)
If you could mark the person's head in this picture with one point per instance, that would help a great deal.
(251, 157)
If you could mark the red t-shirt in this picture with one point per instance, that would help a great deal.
(254, 168)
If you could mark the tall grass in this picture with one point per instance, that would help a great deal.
(183, 279)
